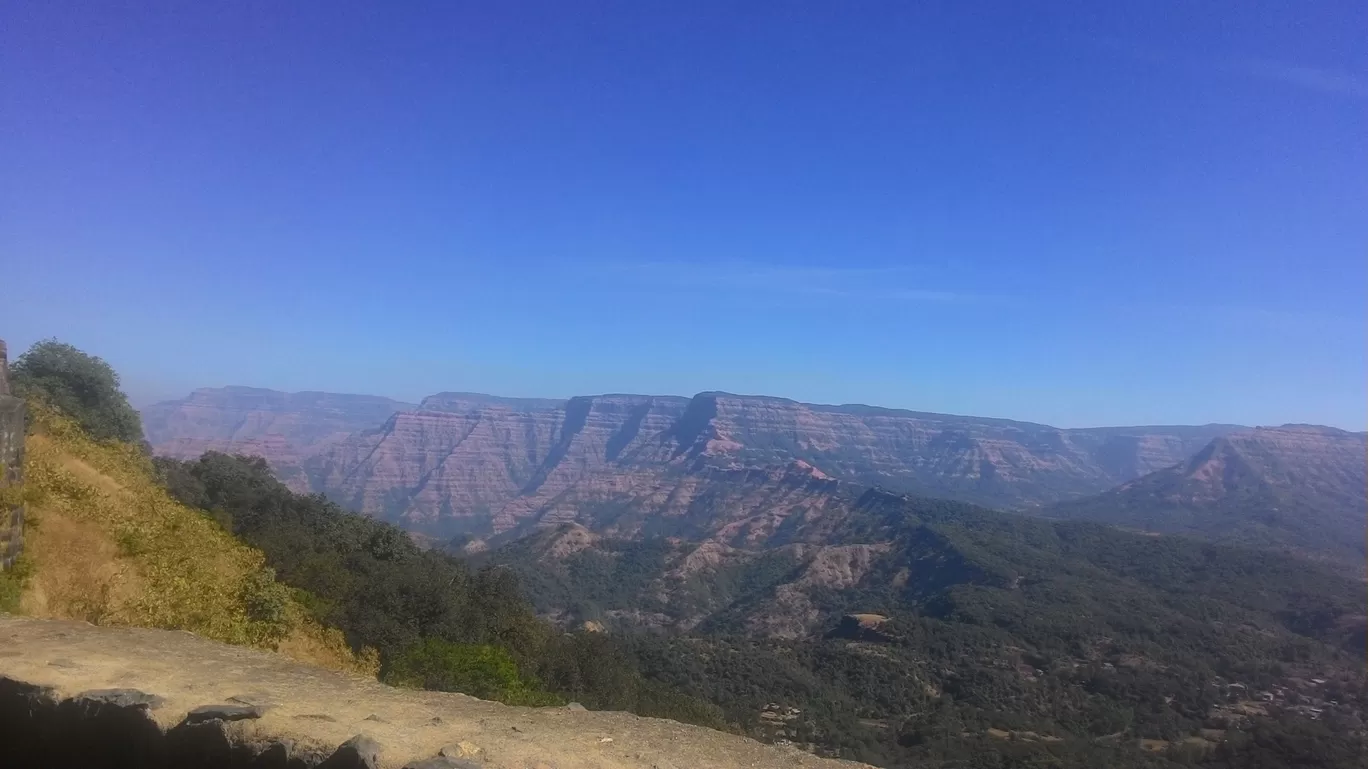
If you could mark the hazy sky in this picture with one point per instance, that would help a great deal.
(1077, 213)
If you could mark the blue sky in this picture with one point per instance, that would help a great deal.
(1077, 213)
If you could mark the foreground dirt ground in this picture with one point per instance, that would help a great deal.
(272, 699)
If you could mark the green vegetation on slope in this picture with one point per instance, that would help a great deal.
(434, 622)
(80, 386)
(1009, 641)
(106, 544)
(481, 670)
(12, 583)
(1292, 488)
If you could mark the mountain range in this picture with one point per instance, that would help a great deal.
(282, 427)
(464, 462)
(1297, 486)
(834, 577)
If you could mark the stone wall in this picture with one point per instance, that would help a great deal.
(12, 417)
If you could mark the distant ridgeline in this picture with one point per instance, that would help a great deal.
(716, 560)
(11, 466)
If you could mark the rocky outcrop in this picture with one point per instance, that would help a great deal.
(997, 462)
(12, 419)
(453, 471)
(861, 627)
(1297, 485)
(75, 695)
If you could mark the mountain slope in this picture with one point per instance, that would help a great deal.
(283, 427)
(469, 462)
(682, 556)
(107, 545)
(913, 632)
(1294, 486)
(491, 467)
(449, 471)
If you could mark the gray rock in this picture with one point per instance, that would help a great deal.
(443, 762)
(122, 698)
(223, 713)
(260, 699)
(360, 752)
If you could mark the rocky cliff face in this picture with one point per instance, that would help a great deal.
(990, 461)
(463, 462)
(458, 470)
(1297, 485)
(282, 427)
(481, 467)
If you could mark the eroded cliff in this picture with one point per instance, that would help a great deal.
(282, 427)
(464, 462)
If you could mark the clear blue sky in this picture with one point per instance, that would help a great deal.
(1077, 213)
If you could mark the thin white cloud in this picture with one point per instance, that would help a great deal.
(1308, 78)
(892, 283)
(1246, 316)
(923, 295)
(1300, 76)
(764, 270)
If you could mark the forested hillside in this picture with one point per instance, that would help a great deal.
(934, 632)
(436, 623)
(1295, 487)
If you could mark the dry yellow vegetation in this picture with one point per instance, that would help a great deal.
(106, 544)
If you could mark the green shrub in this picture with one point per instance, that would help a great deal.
(79, 385)
(12, 584)
(480, 670)
(267, 602)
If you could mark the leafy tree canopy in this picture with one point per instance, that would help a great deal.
(481, 670)
(82, 386)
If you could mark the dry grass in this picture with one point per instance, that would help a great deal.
(327, 647)
(87, 592)
(109, 546)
